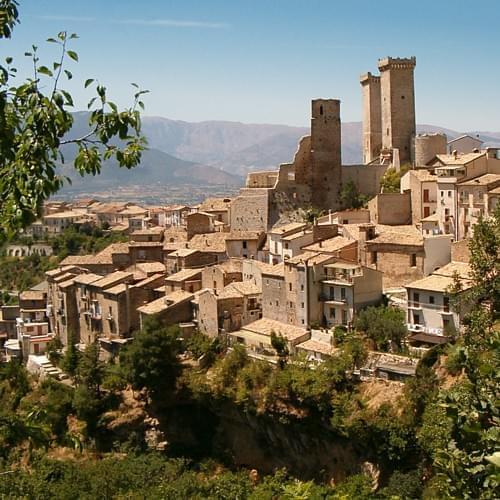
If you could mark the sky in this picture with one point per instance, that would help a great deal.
(262, 61)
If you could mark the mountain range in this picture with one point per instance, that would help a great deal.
(220, 152)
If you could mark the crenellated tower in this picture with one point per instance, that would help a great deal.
(398, 104)
(372, 117)
(326, 159)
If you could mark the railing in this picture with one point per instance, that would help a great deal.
(324, 297)
(338, 277)
(413, 327)
(428, 305)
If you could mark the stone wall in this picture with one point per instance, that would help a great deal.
(274, 298)
(366, 177)
(372, 118)
(391, 209)
(250, 210)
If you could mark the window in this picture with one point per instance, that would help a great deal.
(301, 288)
(290, 287)
(374, 257)
(413, 260)
(426, 196)
(286, 245)
(449, 194)
(442, 193)
(427, 211)
(416, 318)
(291, 305)
(244, 244)
(332, 312)
(302, 305)
(321, 110)
(344, 317)
(342, 294)
(416, 299)
(431, 299)
(277, 303)
(332, 293)
(446, 304)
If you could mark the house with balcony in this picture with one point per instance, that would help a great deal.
(431, 318)
(287, 241)
(476, 198)
(347, 287)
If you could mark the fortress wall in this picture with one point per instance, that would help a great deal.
(366, 177)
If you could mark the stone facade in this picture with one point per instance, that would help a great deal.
(372, 118)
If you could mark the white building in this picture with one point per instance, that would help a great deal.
(287, 241)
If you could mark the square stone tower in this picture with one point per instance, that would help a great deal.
(398, 104)
(326, 160)
(372, 117)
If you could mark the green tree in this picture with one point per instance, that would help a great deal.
(91, 369)
(36, 122)
(462, 453)
(150, 360)
(350, 197)
(384, 325)
(278, 343)
(69, 363)
(391, 180)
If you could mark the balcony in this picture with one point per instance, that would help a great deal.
(324, 297)
(414, 305)
(413, 327)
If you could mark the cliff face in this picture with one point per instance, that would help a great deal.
(226, 431)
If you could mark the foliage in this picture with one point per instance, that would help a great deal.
(79, 239)
(150, 360)
(358, 486)
(350, 197)
(391, 180)
(404, 485)
(22, 274)
(312, 214)
(36, 122)
(279, 344)
(54, 348)
(461, 450)
(69, 362)
(384, 325)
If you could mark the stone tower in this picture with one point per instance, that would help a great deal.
(372, 117)
(326, 162)
(398, 104)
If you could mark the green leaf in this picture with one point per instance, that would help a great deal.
(52, 40)
(72, 55)
(88, 82)
(68, 74)
(44, 71)
(8, 60)
(73, 36)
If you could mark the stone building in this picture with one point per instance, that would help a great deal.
(464, 144)
(422, 186)
(220, 275)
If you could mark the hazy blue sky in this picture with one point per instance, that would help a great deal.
(262, 61)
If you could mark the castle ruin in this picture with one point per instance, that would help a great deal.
(316, 175)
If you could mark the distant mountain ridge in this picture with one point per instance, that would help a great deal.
(219, 152)
(239, 148)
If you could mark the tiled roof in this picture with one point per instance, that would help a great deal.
(437, 283)
(215, 204)
(423, 175)
(210, 242)
(163, 303)
(288, 228)
(32, 295)
(265, 326)
(112, 279)
(150, 267)
(87, 278)
(245, 287)
(243, 235)
(330, 245)
(463, 269)
(182, 252)
(317, 346)
(184, 275)
(460, 159)
(482, 180)
(276, 270)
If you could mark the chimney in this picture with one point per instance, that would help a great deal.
(454, 153)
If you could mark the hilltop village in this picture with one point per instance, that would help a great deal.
(286, 256)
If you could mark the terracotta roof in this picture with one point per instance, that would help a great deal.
(67, 283)
(150, 267)
(184, 275)
(461, 159)
(276, 270)
(117, 289)
(112, 279)
(163, 303)
(423, 175)
(245, 287)
(210, 242)
(86, 278)
(397, 235)
(330, 245)
(430, 218)
(243, 235)
(182, 252)
(482, 180)
(297, 235)
(32, 295)
(85, 260)
(437, 283)
(60, 270)
(114, 248)
(149, 280)
(149, 231)
(141, 244)
(463, 269)
(265, 326)
(215, 204)
(292, 227)
(317, 346)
